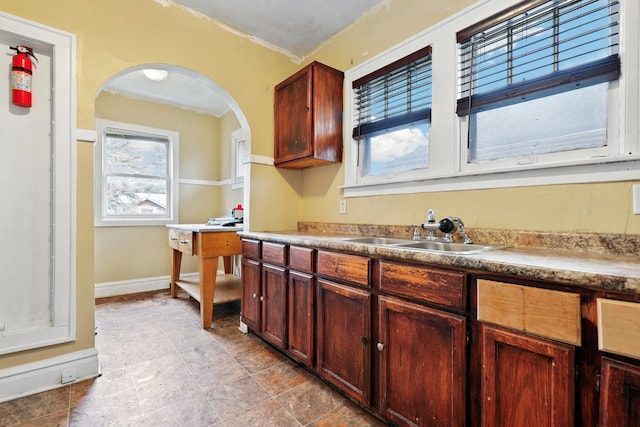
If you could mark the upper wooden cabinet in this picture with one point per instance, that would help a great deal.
(308, 118)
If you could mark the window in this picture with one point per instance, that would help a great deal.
(238, 152)
(521, 93)
(136, 175)
(545, 66)
(392, 114)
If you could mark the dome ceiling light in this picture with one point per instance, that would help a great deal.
(155, 74)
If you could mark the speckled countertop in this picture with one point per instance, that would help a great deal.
(594, 261)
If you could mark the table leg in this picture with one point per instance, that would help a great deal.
(228, 264)
(176, 260)
(208, 271)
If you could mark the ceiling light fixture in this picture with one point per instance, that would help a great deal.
(155, 74)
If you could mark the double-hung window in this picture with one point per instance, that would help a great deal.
(391, 118)
(534, 80)
(136, 173)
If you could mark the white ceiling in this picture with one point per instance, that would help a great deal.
(295, 27)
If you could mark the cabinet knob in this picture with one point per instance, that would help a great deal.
(380, 346)
(254, 295)
(261, 298)
(364, 340)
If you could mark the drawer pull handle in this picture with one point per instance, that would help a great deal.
(174, 238)
(380, 346)
(184, 241)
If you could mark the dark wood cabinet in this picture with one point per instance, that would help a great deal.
(344, 338)
(422, 364)
(264, 290)
(308, 118)
(274, 304)
(301, 319)
(526, 380)
(251, 279)
(619, 394)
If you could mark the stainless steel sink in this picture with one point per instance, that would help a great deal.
(455, 248)
(423, 245)
(378, 240)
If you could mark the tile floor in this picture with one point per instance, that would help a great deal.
(159, 368)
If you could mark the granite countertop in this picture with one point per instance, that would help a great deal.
(573, 267)
(205, 227)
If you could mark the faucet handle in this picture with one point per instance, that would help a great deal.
(447, 226)
(431, 216)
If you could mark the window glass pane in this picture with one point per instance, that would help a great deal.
(135, 156)
(569, 120)
(131, 196)
(395, 151)
(533, 49)
(584, 33)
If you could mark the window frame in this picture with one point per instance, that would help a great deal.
(449, 170)
(238, 158)
(103, 220)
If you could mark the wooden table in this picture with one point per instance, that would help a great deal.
(209, 243)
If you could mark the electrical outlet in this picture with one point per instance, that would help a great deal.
(636, 199)
(343, 206)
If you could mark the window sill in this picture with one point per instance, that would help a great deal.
(574, 174)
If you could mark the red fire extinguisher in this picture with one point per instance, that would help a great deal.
(21, 71)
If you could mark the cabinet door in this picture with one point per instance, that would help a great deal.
(251, 293)
(619, 394)
(300, 321)
(422, 367)
(525, 380)
(293, 117)
(344, 336)
(274, 306)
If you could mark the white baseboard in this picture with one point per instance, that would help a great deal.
(36, 377)
(124, 287)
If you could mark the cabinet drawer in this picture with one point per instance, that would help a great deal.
(181, 240)
(251, 248)
(345, 267)
(274, 253)
(301, 259)
(542, 312)
(174, 238)
(618, 327)
(446, 288)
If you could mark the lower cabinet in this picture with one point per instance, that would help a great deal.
(422, 364)
(619, 394)
(526, 380)
(274, 305)
(251, 292)
(264, 291)
(300, 323)
(427, 346)
(344, 337)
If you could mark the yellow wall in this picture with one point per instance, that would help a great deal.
(230, 197)
(118, 34)
(599, 208)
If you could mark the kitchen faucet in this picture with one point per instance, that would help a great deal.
(446, 225)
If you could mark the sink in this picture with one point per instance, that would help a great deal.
(423, 245)
(454, 248)
(377, 240)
